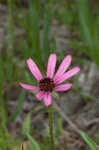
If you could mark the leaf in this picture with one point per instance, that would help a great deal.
(26, 124)
(34, 144)
(89, 141)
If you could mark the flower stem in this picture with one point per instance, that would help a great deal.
(51, 127)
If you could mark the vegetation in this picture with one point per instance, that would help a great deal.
(34, 19)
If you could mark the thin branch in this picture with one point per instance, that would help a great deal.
(66, 118)
(88, 123)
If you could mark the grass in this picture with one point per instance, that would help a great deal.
(88, 30)
(86, 24)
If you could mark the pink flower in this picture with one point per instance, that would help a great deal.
(51, 82)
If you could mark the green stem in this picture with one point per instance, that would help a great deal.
(51, 127)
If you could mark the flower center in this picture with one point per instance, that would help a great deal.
(46, 85)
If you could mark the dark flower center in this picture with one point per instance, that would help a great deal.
(46, 85)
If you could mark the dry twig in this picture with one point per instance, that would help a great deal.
(66, 118)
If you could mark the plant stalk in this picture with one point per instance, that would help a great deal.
(51, 128)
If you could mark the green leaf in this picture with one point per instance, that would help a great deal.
(89, 141)
(34, 144)
(26, 124)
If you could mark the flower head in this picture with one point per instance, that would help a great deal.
(51, 82)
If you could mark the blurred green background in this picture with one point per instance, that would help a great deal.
(34, 29)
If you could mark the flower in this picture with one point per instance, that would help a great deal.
(51, 82)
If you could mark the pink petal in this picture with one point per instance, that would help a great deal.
(28, 87)
(67, 75)
(51, 65)
(63, 66)
(63, 87)
(34, 69)
(47, 99)
(40, 95)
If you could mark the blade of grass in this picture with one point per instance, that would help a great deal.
(82, 8)
(26, 124)
(79, 47)
(27, 51)
(9, 69)
(35, 33)
(11, 25)
(19, 107)
(2, 79)
(46, 30)
(34, 144)
(96, 33)
(84, 25)
(2, 111)
(89, 141)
